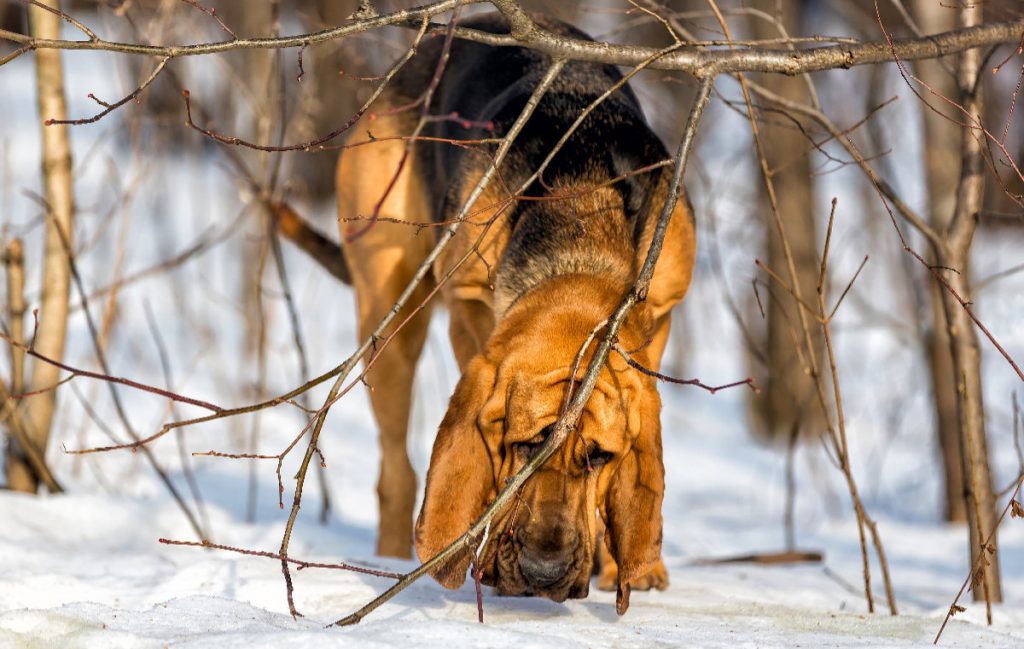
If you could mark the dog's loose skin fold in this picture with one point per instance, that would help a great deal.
(546, 274)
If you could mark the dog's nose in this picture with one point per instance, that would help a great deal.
(542, 572)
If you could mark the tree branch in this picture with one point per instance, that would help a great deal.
(526, 33)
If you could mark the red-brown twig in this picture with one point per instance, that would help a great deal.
(424, 102)
(272, 555)
(479, 566)
(105, 377)
(109, 108)
(970, 121)
(518, 197)
(749, 382)
(477, 574)
(212, 13)
(315, 143)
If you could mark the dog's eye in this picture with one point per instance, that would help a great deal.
(530, 447)
(596, 457)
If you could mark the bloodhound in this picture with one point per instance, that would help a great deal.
(539, 271)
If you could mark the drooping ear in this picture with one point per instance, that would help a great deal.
(679, 252)
(461, 479)
(633, 503)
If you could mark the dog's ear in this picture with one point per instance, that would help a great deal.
(462, 475)
(675, 264)
(633, 503)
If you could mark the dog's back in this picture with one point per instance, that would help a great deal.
(486, 88)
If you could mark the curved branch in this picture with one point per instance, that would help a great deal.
(103, 376)
(525, 33)
(175, 51)
(109, 108)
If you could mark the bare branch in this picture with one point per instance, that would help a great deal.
(977, 565)
(749, 382)
(525, 33)
(105, 377)
(424, 268)
(271, 555)
(109, 108)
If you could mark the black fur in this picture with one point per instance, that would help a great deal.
(485, 84)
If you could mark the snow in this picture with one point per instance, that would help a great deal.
(85, 569)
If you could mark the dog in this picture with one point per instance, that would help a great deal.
(541, 271)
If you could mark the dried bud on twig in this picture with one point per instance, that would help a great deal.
(979, 574)
(365, 11)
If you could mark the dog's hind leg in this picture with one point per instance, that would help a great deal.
(382, 258)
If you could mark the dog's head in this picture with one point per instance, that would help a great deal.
(501, 412)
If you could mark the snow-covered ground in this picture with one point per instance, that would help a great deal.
(85, 569)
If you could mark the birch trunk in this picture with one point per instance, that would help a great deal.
(955, 253)
(788, 403)
(57, 190)
(942, 152)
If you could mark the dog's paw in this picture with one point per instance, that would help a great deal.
(656, 578)
(608, 578)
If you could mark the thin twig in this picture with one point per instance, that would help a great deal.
(186, 464)
(316, 143)
(749, 382)
(978, 562)
(118, 406)
(272, 555)
(212, 13)
(109, 108)
(100, 376)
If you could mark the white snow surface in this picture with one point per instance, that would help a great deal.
(85, 569)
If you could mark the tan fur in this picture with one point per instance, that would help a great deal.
(469, 294)
(382, 260)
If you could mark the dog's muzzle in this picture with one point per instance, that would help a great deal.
(543, 572)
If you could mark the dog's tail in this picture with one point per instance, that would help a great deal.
(296, 229)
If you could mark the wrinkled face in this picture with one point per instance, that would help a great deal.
(545, 544)
(501, 412)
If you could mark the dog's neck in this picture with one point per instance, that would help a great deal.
(567, 308)
(586, 236)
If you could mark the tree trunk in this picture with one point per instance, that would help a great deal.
(57, 190)
(789, 399)
(942, 151)
(955, 254)
(327, 98)
(1004, 197)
